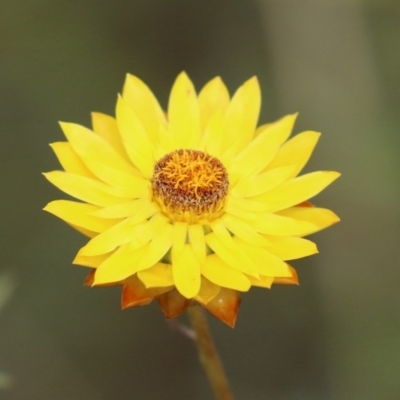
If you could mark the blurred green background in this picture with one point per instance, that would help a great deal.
(337, 62)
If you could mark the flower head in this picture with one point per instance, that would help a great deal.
(196, 204)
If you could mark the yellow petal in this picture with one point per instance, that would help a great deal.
(291, 247)
(85, 232)
(208, 291)
(135, 138)
(121, 264)
(158, 247)
(159, 275)
(263, 281)
(220, 273)
(184, 114)
(106, 127)
(213, 137)
(321, 218)
(242, 115)
(222, 233)
(296, 190)
(127, 231)
(90, 261)
(252, 205)
(78, 214)
(214, 96)
(290, 280)
(69, 160)
(296, 151)
(179, 237)
(197, 240)
(186, 272)
(232, 208)
(142, 101)
(230, 254)
(99, 156)
(266, 262)
(243, 231)
(85, 189)
(255, 185)
(165, 144)
(133, 187)
(260, 152)
(279, 225)
(141, 209)
(261, 128)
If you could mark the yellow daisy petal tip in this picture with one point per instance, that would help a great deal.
(182, 80)
(333, 175)
(193, 205)
(133, 77)
(46, 207)
(183, 76)
(253, 83)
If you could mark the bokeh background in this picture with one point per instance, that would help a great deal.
(337, 62)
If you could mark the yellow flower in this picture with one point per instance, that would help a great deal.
(193, 204)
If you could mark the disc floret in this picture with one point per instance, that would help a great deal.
(190, 186)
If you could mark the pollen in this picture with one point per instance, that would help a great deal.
(190, 186)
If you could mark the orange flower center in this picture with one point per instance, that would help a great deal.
(190, 186)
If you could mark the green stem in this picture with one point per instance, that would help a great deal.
(208, 354)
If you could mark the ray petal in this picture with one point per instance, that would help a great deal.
(90, 261)
(231, 208)
(263, 281)
(143, 102)
(159, 275)
(79, 214)
(297, 190)
(211, 141)
(291, 247)
(296, 151)
(186, 272)
(253, 205)
(135, 138)
(279, 225)
(85, 232)
(127, 231)
(243, 231)
(85, 189)
(255, 185)
(291, 280)
(106, 127)
(261, 151)
(208, 291)
(184, 114)
(99, 156)
(220, 273)
(321, 218)
(213, 97)
(69, 160)
(120, 265)
(197, 240)
(242, 115)
(141, 209)
(179, 238)
(230, 254)
(267, 263)
(160, 244)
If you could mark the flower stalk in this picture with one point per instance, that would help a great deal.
(208, 354)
